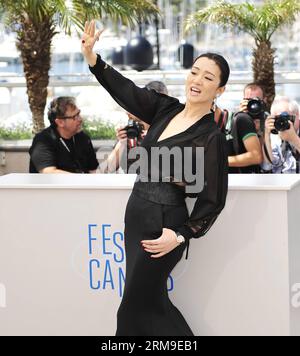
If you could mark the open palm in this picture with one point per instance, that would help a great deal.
(89, 37)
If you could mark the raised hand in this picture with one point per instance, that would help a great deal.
(88, 40)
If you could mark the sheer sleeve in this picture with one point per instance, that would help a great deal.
(211, 201)
(141, 102)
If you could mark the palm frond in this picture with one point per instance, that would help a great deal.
(275, 14)
(225, 14)
(34, 10)
(259, 21)
(128, 12)
(75, 12)
(65, 16)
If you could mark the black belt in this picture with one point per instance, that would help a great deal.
(160, 192)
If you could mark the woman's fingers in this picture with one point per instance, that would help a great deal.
(152, 249)
(90, 28)
(159, 255)
(90, 33)
(150, 242)
(93, 28)
(158, 251)
(98, 34)
(86, 27)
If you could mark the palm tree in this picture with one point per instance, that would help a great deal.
(36, 22)
(261, 22)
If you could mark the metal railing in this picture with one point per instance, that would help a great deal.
(176, 77)
(14, 101)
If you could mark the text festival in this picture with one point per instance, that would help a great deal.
(107, 259)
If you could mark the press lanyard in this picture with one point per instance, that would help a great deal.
(65, 145)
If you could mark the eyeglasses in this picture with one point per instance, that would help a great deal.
(73, 117)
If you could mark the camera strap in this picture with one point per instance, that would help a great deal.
(267, 153)
(72, 153)
(234, 134)
(65, 145)
(221, 117)
(132, 142)
(298, 158)
(296, 154)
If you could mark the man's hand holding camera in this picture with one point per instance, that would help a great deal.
(282, 125)
(121, 134)
(290, 135)
(269, 125)
(244, 105)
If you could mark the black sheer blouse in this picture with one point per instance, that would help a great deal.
(158, 110)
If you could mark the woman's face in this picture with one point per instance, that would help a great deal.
(202, 84)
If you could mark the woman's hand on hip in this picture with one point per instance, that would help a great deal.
(163, 245)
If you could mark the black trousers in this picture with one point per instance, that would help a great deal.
(146, 309)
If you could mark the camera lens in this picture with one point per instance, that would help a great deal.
(282, 121)
(133, 129)
(255, 107)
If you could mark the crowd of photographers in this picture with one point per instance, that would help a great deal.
(258, 141)
(262, 142)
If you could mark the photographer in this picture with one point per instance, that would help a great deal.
(282, 142)
(244, 132)
(129, 137)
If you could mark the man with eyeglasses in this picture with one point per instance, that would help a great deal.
(63, 147)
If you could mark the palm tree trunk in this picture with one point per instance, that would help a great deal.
(34, 43)
(263, 69)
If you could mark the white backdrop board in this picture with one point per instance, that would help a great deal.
(62, 260)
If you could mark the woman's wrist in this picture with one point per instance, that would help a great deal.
(180, 238)
(91, 59)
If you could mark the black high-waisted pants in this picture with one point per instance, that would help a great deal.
(146, 309)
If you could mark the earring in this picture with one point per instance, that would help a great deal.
(214, 106)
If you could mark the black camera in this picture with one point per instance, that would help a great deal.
(282, 122)
(256, 107)
(134, 129)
